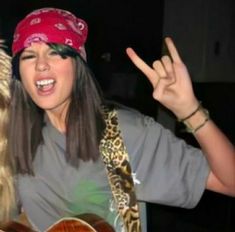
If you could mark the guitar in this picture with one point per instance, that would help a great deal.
(81, 223)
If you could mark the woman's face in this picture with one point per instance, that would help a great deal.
(47, 77)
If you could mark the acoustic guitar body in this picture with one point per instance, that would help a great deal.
(81, 223)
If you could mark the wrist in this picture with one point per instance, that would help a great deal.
(196, 120)
(193, 112)
(184, 110)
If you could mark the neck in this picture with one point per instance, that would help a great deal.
(57, 118)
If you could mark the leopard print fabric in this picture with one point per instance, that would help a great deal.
(119, 173)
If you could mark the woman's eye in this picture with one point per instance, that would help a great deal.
(25, 57)
(54, 53)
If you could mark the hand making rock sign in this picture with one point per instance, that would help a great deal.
(170, 80)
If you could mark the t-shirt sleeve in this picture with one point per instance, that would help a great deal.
(165, 168)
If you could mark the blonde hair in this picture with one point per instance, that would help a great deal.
(7, 192)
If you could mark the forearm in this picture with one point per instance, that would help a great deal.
(172, 87)
(219, 151)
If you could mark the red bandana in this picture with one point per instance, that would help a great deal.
(51, 25)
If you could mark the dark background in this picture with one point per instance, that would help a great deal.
(204, 33)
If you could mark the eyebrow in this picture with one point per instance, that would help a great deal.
(28, 51)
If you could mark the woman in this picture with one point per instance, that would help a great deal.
(7, 193)
(77, 154)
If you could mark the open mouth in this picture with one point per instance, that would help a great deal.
(45, 85)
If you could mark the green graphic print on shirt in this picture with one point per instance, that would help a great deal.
(89, 197)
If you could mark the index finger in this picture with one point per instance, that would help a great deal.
(139, 63)
(172, 50)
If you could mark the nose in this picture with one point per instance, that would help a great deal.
(42, 65)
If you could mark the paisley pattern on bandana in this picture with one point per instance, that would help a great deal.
(51, 25)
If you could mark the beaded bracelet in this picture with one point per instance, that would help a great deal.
(189, 128)
(190, 115)
(192, 130)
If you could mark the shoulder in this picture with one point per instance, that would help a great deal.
(142, 130)
(134, 118)
(136, 126)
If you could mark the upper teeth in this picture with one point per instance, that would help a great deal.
(44, 82)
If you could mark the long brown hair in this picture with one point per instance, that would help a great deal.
(84, 120)
(7, 190)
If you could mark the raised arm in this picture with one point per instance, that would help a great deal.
(172, 87)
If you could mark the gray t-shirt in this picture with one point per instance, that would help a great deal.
(165, 170)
